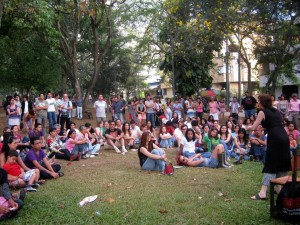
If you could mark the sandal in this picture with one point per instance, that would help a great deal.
(257, 197)
(61, 174)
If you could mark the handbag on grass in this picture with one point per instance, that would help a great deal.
(288, 202)
(169, 169)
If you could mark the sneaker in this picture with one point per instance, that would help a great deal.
(29, 188)
(124, 149)
(88, 155)
(133, 149)
(117, 150)
(92, 156)
(83, 156)
(35, 185)
(95, 153)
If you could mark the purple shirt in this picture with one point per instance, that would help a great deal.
(31, 156)
(34, 134)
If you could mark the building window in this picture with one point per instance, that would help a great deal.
(222, 69)
(165, 91)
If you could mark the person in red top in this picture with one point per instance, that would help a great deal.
(17, 176)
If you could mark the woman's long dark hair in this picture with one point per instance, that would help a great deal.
(144, 142)
(209, 133)
(186, 134)
(242, 130)
(226, 133)
(123, 128)
(8, 138)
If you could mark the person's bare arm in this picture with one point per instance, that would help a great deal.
(153, 156)
(259, 119)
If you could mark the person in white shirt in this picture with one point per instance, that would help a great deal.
(135, 132)
(100, 107)
(51, 114)
(234, 109)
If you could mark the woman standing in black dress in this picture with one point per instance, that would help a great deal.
(278, 159)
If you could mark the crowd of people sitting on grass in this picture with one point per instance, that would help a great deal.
(28, 154)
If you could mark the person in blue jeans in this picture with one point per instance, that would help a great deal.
(258, 144)
(249, 104)
(150, 155)
(149, 103)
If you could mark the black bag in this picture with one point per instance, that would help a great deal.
(288, 202)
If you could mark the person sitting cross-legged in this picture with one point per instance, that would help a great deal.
(36, 159)
(150, 155)
(114, 135)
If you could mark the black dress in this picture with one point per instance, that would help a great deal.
(278, 158)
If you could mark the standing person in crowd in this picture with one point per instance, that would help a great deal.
(26, 106)
(117, 109)
(5, 104)
(222, 107)
(150, 155)
(29, 120)
(41, 107)
(100, 107)
(168, 109)
(282, 106)
(13, 112)
(65, 112)
(249, 104)
(149, 103)
(79, 102)
(57, 107)
(278, 158)
(124, 107)
(177, 106)
(132, 109)
(274, 102)
(141, 110)
(234, 109)
(213, 108)
(294, 108)
(18, 103)
(199, 108)
(190, 107)
(51, 114)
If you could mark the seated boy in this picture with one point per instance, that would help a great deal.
(114, 135)
(16, 175)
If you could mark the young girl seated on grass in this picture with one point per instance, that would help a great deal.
(242, 147)
(16, 175)
(165, 138)
(100, 133)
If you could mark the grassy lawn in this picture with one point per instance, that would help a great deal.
(127, 195)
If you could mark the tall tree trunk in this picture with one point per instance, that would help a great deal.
(250, 88)
(98, 53)
(2, 3)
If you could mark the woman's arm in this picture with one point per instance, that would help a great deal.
(260, 117)
(153, 156)
(192, 162)
(22, 164)
(228, 138)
